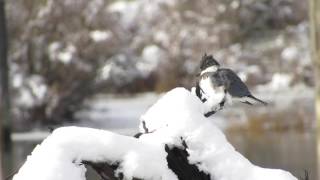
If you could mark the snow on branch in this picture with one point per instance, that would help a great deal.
(176, 127)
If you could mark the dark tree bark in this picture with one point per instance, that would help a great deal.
(177, 161)
(4, 71)
(4, 86)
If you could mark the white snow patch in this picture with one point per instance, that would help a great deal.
(64, 55)
(17, 80)
(53, 48)
(235, 4)
(132, 11)
(59, 156)
(279, 82)
(38, 87)
(151, 56)
(290, 53)
(98, 35)
(128, 11)
(24, 98)
(118, 6)
(32, 91)
(105, 71)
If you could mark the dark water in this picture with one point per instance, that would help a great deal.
(292, 151)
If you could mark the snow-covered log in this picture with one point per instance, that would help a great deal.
(177, 159)
(175, 124)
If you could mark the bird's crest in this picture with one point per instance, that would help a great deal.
(207, 61)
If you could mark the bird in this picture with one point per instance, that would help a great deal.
(220, 85)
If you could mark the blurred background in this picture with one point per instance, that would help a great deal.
(102, 63)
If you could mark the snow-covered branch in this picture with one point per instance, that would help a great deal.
(175, 121)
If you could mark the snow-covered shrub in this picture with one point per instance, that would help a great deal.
(81, 47)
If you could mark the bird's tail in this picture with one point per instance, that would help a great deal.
(256, 99)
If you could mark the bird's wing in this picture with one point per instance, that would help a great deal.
(233, 84)
(218, 80)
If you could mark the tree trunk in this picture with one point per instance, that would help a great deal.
(314, 9)
(4, 90)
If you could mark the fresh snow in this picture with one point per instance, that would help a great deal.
(176, 117)
(59, 156)
(98, 35)
(179, 114)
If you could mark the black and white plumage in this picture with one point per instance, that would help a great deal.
(222, 84)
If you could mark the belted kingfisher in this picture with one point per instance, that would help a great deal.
(221, 85)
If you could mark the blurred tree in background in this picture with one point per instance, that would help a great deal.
(314, 8)
(315, 47)
(5, 115)
(62, 52)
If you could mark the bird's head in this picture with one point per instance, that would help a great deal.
(208, 64)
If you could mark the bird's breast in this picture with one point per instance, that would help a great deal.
(215, 94)
(208, 87)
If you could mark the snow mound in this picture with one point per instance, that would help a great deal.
(176, 120)
(179, 115)
(59, 156)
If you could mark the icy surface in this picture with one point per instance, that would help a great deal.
(106, 112)
(176, 117)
